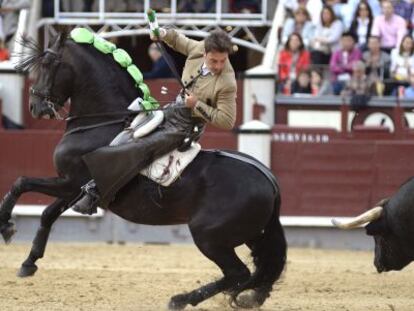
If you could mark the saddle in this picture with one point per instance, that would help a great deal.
(166, 169)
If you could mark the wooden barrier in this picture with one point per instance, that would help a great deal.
(323, 174)
(322, 171)
(30, 153)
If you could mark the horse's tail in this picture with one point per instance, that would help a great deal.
(269, 257)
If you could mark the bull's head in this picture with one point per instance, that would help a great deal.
(391, 249)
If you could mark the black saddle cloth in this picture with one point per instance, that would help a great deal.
(112, 167)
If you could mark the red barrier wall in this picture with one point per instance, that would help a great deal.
(339, 178)
(30, 153)
(320, 174)
(26, 153)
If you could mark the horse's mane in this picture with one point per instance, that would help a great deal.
(30, 57)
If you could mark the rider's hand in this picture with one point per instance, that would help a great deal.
(190, 100)
(163, 33)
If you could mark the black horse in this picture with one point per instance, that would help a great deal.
(225, 201)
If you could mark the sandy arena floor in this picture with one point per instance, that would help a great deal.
(103, 277)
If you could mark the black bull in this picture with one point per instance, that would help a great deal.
(226, 202)
(391, 223)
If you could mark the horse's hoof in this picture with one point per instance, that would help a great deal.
(7, 231)
(178, 302)
(26, 271)
(247, 300)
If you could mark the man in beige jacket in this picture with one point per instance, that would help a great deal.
(209, 97)
(209, 75)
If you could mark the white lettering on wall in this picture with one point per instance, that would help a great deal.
(301, 137)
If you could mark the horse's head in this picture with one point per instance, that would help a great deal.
(94, 81)
(54, 77)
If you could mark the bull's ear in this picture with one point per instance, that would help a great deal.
(377, 227)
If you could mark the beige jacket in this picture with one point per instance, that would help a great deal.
(216, 94)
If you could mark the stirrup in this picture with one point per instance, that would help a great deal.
(89, 207)
(88, 192)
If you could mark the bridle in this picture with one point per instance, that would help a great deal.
(51, 101)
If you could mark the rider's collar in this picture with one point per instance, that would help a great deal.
(205, 71)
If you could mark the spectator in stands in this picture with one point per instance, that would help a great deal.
(402, 60)
(403, 8)
(359, 82)
(314, 7)
(361, 24)
(302, 84)
(1, 29)
(187, 6)
(160, 67)
(87, 5)
(389, 27)
(244, 6)
(196, 6)
(348, 9)
(209, 6)
(359, 88)
(339, 8)
(4, 52)
(326, 37)
(409, 90)
(374, 5)
(48, 8)
(300, 24)
(10, 10)
(319, 85)
(377, 63)
(342, 61)
(292, 59)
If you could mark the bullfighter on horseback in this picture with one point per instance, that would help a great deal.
(209, 97)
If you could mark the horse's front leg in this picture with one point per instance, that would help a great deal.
(49, 216)
(55, 187)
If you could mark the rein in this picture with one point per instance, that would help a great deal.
(104, 114)
(93, 126)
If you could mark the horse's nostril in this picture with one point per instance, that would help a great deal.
(31, 107)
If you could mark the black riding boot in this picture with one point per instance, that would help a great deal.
(88, 202)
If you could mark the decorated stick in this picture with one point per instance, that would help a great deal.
(153, 23)
(155, 29)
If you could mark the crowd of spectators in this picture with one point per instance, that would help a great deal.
(183, 6)
(347, 48)
(9, 15)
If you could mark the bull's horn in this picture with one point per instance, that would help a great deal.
(368, 216)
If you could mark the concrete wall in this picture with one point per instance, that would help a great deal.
(106, 227)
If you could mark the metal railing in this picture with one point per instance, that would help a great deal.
(220, 16)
